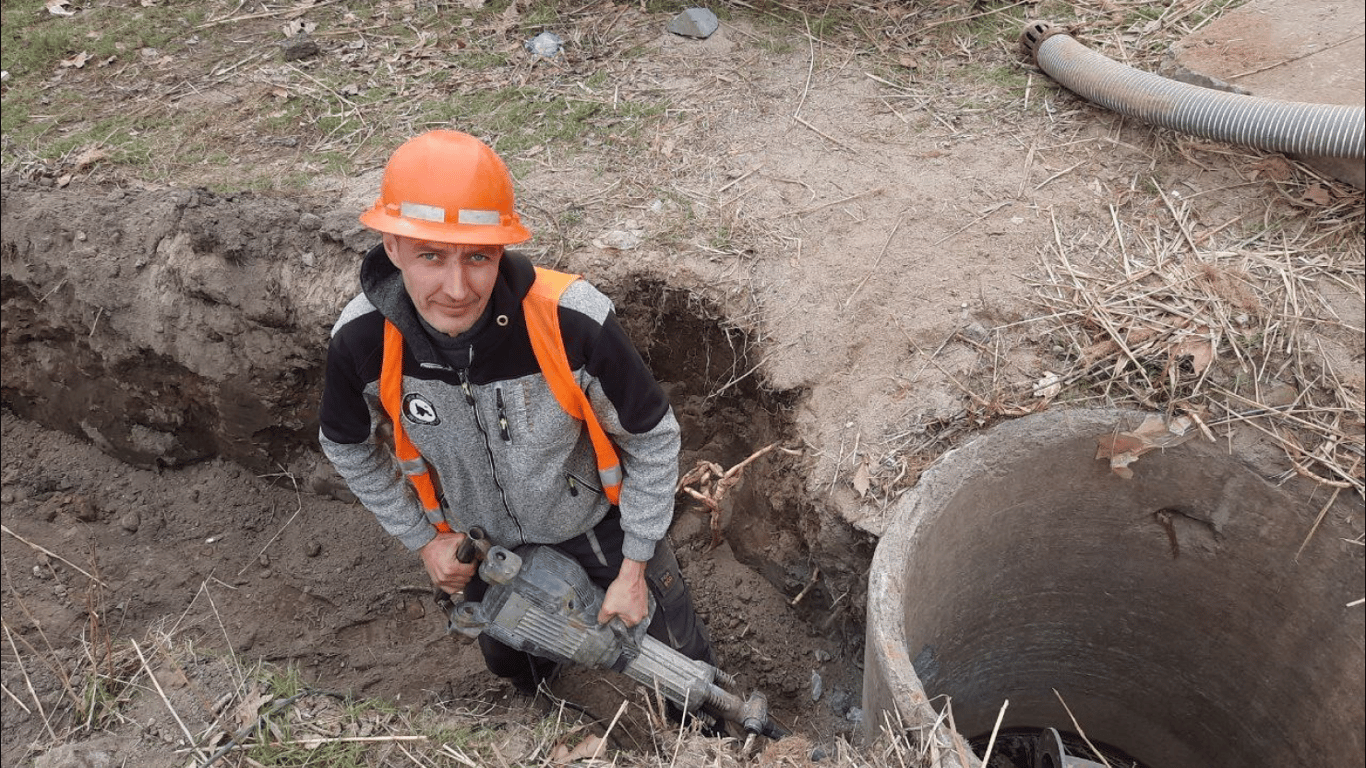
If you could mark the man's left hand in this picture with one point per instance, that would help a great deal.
(628, 596)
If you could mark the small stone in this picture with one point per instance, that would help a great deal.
(546, 44)
(818, 754)
(822, 656)
(83, 509)
(130, 521)
(816, 687)
(7, 496)
(313, 549)
(39, 572)
(299, 48)
(698, 23)
(976, 332)
(263, 560)
(854, 715)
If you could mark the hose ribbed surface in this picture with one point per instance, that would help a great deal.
(1281, 126)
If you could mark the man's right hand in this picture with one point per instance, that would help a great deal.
(445, 571)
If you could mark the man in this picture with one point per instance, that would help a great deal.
(476, 423)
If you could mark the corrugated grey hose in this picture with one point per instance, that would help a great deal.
(1328, 130)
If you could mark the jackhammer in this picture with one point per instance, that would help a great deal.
(540, 601)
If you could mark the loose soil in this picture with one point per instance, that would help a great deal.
(811, 249)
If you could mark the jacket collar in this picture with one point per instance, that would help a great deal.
(383, 286)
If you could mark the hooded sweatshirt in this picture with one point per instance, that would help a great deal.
(505, 455)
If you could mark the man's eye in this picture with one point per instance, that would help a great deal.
(429, 256)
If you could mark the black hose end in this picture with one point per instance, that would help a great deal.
(1033, 35)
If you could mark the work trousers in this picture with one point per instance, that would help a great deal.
(674, 622)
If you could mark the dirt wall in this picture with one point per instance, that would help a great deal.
(170, 326)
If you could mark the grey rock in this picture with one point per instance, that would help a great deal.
(695, 22)
(546, 44)
(816, 686)
(299, 48)
(976, 332)
(130, 521)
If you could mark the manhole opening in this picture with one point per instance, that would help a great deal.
(1170, 612)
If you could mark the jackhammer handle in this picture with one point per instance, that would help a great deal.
(471, 548)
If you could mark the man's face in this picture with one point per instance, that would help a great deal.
(449, 284)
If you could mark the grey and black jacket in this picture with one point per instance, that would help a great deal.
(505, 454)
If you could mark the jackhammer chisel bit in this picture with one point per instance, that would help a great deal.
(541, 601)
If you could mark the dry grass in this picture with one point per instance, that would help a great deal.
(217, 713)
(1232, 329)
(1255, 327)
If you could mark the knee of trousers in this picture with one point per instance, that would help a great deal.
(503, 660)
(675, 622)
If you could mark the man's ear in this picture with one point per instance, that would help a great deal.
(391, 248)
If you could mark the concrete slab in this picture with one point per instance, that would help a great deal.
(1293, 50)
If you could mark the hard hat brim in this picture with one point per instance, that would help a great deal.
(378, 219)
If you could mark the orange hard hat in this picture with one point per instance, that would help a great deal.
(447, 187)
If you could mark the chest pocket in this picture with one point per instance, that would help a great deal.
(537, 416)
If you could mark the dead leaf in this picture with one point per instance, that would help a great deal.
(64, 180)
(247, 711)
(586, 749)
(1275, 168)
(862, 479)
(59, 8)
(299, 27)
(1124, 448)
(1048, 386)
(909, 62)
(89, 157)
(508, 19)
(1317, 194)
(1201, 352)
(76, 61)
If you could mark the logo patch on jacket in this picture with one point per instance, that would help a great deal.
(419, 410)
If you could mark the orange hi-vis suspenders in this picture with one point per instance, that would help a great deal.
(409, 458)
(541, 308)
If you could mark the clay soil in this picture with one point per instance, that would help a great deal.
(821, 241)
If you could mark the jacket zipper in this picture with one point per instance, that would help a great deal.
(575, 483)
(469, 398)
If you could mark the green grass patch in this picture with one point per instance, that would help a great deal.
(519, 118)
(35, 42)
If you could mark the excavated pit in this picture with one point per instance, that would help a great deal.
(1169, 611)
(183, 333)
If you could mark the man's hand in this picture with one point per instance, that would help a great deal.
(628, 597)
(438, 556)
